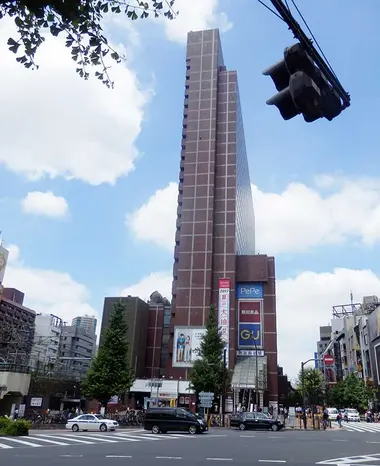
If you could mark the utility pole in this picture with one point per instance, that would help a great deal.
(303, 390)
(224, 388)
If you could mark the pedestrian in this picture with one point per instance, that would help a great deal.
(325, 417)
(340, 419)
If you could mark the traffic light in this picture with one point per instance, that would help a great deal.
(303, 89)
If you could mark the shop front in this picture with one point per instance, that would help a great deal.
(160, 392)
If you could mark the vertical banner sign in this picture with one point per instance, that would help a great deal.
(224, 312)
(250, 324)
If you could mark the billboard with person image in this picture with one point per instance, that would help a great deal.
(186, 342)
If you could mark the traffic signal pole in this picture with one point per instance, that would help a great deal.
(307, 43)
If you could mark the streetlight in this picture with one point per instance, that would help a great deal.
(303, 390)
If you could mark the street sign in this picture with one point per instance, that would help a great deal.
(328, 359)
(206, 404)
(206, 399)
(206, 395)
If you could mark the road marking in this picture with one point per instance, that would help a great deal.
(118, 456)
(341, 440)
(54, 442)
(169, 457)
(127, 438)
(367, 441)
(97, 438)
(5, 446)
(249, 436)
(156, 437)
(23, 442)
(219, 459)
(272, 461)
(212, 435)
(66, 437)
(71, 456)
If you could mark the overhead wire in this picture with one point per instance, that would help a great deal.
(270, 9)
(312, 35)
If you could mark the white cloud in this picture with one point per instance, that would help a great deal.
(304, 303)
(156, 281)
(154, 221)
(47, 291)
(46, 204)
(305, 216)
(70, 128)
(195, 15)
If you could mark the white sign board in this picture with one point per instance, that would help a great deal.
(186, 342)
(224, 312)
(36, 402)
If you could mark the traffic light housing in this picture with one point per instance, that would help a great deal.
(303, 89)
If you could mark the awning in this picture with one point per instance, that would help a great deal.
(244, 375)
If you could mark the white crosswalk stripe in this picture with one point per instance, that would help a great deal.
(360, 427)
(55, 439)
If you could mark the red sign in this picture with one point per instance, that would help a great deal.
(328, 359)
(250, 311)
(224, 283)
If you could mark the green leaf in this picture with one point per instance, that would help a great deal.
(110, 372)
(208, 372)
(13, 45)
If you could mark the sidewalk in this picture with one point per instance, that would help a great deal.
(299, 426)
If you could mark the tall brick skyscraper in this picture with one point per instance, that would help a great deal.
(215, 236)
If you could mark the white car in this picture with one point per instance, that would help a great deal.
(352, 415)
(91, 422)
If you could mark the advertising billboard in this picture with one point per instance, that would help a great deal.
(249, 291)
(249, 335)
(185, 345)
(250, 323)
(3, 262)
(224, 312)
(250, 311)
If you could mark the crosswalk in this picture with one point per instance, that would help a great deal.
(360, 426)
(38, 440)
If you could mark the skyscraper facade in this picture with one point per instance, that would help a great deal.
(215, 229)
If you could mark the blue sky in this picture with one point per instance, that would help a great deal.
(316, 192)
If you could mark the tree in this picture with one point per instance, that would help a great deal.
(313, 385)
(110, 372)
(352, 392)
(208, 372)
(80, 21)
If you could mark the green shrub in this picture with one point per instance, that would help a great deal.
(17, 427)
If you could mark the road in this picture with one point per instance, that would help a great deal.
(139, 448)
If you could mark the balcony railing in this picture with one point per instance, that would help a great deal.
(19, 368)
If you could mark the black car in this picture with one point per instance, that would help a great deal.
(255, 421)
(173, 419)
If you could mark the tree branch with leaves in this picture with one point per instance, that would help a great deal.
(313, 385)
(81, 22)
(110, 372)
(208, 372)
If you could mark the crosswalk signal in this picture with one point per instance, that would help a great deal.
(303, 89)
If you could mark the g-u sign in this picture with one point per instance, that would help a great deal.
(250, 334)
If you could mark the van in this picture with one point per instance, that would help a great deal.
(162, 420)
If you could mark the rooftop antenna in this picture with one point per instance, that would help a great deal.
(352, 301)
